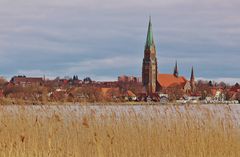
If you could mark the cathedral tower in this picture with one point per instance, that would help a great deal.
(149, 67)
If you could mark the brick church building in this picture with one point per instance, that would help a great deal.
(153, 81)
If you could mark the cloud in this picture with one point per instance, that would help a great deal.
(34, 73)
(228, 80)
(105, 38)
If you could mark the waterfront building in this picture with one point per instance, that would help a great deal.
(149, 66)
(152, 80)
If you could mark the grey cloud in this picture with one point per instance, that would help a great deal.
(76, 36)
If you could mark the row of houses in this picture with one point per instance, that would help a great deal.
(129, 88)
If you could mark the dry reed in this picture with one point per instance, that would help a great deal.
(151, 131)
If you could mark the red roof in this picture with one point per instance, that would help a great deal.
(214, 90)
(168, 80)
(107, 91)
(130, 93)
(235, 89)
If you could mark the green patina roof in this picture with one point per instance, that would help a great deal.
(150, 41)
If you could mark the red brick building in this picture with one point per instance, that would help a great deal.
(149, 66)
(23, 80)
(152, 81)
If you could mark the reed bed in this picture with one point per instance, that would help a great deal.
(146, 131)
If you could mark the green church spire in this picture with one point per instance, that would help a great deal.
(150, 41)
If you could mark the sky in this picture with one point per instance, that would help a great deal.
(103, 39)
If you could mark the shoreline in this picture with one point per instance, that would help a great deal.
(17, 102)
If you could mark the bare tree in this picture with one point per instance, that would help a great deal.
(3, 82)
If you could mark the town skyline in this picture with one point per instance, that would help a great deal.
(41, 44)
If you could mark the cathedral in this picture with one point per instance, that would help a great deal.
(153, 81)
